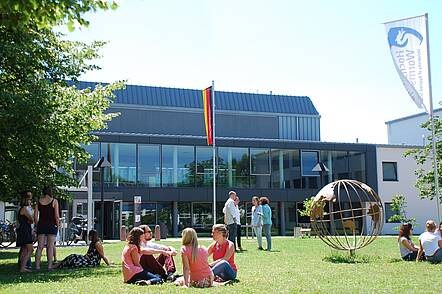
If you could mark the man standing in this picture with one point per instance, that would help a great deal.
(163, 265)
(230, 216)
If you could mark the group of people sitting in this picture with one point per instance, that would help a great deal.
(140, 267)
(430, 243)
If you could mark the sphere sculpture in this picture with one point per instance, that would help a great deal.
(347, 215)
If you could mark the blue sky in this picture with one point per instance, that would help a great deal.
(335, 52)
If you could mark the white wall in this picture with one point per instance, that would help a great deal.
(408, 130)
(421, 209)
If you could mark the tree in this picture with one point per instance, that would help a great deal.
(398, 204)
(44, 121)
(424, 159)
(48, 13)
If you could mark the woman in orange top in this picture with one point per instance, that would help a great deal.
(133, 273)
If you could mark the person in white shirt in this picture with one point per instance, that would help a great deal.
(164, 264)
(430, 244)
(257, 220)
(238, 223)
(230, 216)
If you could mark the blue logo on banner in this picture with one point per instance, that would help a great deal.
(398, 36)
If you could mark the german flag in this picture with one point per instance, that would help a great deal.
(208, 116)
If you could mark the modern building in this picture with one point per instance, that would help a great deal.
(396, 176)
(408, 131)
(266, 145)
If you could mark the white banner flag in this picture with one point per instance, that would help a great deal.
(408, 41)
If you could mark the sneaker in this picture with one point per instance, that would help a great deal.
(171, 278)
(142, 283)
(260, 248)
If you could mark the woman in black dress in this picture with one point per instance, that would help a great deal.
(24, 231)
(92, 258)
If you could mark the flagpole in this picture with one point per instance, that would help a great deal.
(214, 152)
(433, 133)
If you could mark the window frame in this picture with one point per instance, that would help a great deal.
(396, 179)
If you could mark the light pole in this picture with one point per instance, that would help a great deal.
(101, 164)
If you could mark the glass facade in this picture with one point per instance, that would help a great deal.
(234, 167)
(178, 169)
(149, 168)
(124, 164)
(148, 165)
(204, 166)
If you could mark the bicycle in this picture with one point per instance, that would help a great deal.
(8, 233)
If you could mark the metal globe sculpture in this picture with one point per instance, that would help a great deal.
(347, 215)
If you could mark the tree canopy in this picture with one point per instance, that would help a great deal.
(44, 119)
(48, 13)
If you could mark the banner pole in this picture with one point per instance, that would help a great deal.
(214, 152)
(433, 132)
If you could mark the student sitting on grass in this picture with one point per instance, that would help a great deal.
(430, 244)
(92, 258)
(163, 265)
(196, 269)
(406, 247)
(133, 273)
(223, 251)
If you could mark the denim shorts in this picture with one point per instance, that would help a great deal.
(436, 257)
(47, 229)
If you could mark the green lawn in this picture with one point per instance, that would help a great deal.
(296, 265)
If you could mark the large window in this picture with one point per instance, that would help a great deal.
(339, 165)
(204, 166)
(357, 166)
(164, 216)
(309, 159)
(389, 212)
(389, 171)
(233, 167)
(123, 160)
(184, 218)
(149, 214)
(202, 217)
(94, 151)
(286, 169)
(149, 165)
(259, 168)
(178, 166)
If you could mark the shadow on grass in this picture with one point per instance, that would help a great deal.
(347, 258)
(9, 274)
(8, 254)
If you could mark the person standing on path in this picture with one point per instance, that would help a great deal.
(257, 220)
(230, 216)
(47, 218)
(266, 220)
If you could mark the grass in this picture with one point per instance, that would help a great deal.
(295, 265)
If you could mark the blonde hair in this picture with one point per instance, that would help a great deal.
(221, 229)
(190, 238)
(430, 225)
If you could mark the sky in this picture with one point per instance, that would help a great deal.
(334, 52)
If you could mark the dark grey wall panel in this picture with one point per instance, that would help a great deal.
(148, 121)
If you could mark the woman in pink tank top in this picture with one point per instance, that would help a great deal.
(196, 269)
(133, 273)
(223, 253)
